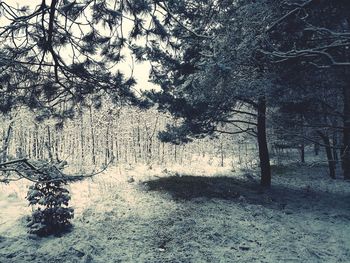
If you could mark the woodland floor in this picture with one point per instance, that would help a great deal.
(202, 214)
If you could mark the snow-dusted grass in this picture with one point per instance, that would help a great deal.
(197, 213)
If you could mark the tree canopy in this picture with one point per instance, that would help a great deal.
(222, 65)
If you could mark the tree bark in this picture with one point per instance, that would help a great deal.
(335, 150)
(302, 152)
(346, 134)
(329, 153)
(5, 146)
(262, 143)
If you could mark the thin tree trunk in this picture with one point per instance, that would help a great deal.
(316, 149)
(82, 139)
(346, 134)
(335, 144)
(48, 144)
(6, 143)
(328, 147)
(107, 151)
(92, 131)
(262, 143)
(139, 147)
(57, 149)
(222, 152)
(302, 152)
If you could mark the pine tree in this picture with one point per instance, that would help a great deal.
(214, 82)
(60, 52)
(52, 215)
(316, 33)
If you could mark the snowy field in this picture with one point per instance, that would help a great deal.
(180, 214)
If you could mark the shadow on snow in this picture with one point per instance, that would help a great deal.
(248, 190)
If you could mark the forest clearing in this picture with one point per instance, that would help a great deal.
(174, 131)
(202, 214)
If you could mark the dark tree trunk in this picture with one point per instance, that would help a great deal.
(5, 146)
(346, 134)
(335, 145)
(222, 152)
(262, 143)
(329, 153)
(302, 153)
(316, 149)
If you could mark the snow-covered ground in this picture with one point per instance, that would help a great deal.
(201, 213)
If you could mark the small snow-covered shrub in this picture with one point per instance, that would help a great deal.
(51, 199)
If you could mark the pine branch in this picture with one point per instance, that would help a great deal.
(289, 14)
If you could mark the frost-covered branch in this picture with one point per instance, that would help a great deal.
(289, 14)
(24, 169)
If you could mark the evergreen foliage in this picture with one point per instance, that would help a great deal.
(51, 199)
(221, 65)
